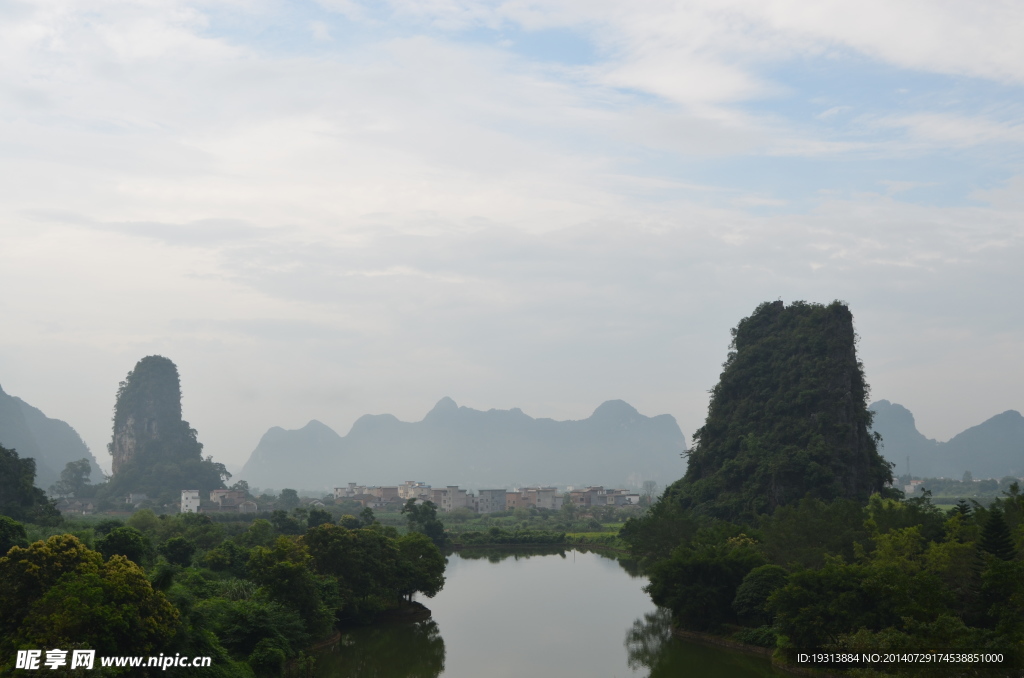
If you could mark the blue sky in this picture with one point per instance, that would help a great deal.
(324, 209)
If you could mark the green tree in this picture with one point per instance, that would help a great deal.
(421, 566)
(127, 542)
(73, 479)
(803, 534)
(284, 570)
(817, 606)
(996, 538)
(699, 584)
(422, 518)
(350, 522)
(755, 589)
(59, 592)
(318, 516)
(284, 523)
(108, 525)
(244, 624)
(364, 562)
(267, 660)
(178, 550)
(12, 533)
(112, 609)
(20, 499)
(288, 500)
(228, 557)
(260, 533)
(655, 534)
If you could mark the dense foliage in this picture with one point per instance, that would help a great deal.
(888, 576)
(247, 594)
(20, 499)
(787, 419)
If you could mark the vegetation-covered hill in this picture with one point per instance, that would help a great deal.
(155, 451)
(788, 418)
(51, 442)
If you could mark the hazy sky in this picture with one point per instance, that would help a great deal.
(325, 209)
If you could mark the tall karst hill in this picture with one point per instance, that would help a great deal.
(787, 419)
(155, 451)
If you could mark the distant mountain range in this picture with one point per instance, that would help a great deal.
(992, 449)
(51, 442)
(616, 446)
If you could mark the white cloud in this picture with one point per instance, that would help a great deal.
(320, 31)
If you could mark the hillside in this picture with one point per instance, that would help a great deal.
(615, 446)
(51, 442)
(992, 449)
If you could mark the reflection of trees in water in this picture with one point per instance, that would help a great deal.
(651, 645)
(646, 640)
(496, 555)
(386, 651)
(625, 561)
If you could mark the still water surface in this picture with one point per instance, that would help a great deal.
(535, 613)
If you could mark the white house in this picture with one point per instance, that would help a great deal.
(190, 501)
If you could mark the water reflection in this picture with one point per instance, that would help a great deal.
(537, 612)
(387, 651)
(647, 639)
(651, 645)
(494, 555)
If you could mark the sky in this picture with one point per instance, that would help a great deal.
(322, 209)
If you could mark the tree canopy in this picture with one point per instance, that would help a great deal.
(20, 499)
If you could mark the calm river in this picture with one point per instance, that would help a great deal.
(505, 614)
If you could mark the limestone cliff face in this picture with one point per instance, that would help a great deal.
(147, 415)
(125, 443)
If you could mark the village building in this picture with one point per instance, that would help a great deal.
(190, 501)
(412, 489)
(491, 501)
